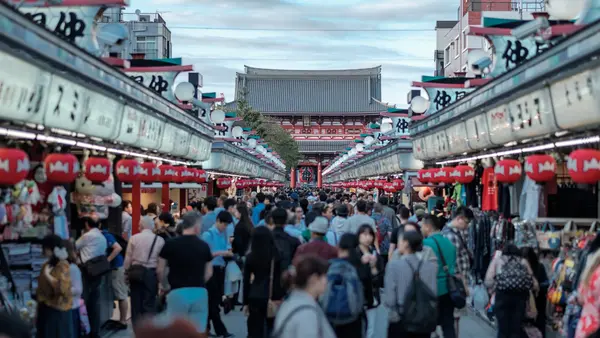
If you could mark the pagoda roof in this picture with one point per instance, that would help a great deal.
(319, 92)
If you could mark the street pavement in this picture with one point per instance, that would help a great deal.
(471, 326)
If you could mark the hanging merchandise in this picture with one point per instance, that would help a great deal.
(508, 171)
(57, 199)
(61, 168)
(463, 174)
(489, 194)
(128, 170)
(15, 166)
(525, 234)
(97, 169)
(150, 172)
(93, 199)
(584, 166)
(167, 173)
(223, 182)
(540, 168)
(548, 238)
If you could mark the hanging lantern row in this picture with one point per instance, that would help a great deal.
(253, 183)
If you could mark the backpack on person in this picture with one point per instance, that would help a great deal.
(420, 306)
(343, 299)
(514, 276)
(285, 250)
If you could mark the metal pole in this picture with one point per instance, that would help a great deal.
(521, 8)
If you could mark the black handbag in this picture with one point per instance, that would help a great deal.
(456, 287)
(137, 273)
(96, 266)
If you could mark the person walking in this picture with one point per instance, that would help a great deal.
(361, 217)
(142, 255)
(216, 238)
(210, 216)
(300, 315)
(445, 253)
(262, 282)
(92, 247)
(286, 243)
(54, 294)
(117, 278)
(318, 244)
(188, 259)
(126, 219)
(76, 288)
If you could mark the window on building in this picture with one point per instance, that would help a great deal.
(465, 40)
(456, 47)
(447, 55)
(147, 45)
(105, 18)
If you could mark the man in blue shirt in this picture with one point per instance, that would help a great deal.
(230, 207)
(258, 208)
(210, 216)
(217, 240)
(120, 289)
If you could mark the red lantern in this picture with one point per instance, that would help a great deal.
(167, 173)
(149, 172)
(128, 170)
(61, 168)
(463, 174)
(240, 184)
(424, 175)
(179, 176)
(435, 179)
(188, 174)
(398, 184)
(584, 166)
(14, 166)
(201, 176)
(97, 169)
(540, 168)
(223, 182)
(508, 171)
(369, 184)
(445, 175)
(389, 187)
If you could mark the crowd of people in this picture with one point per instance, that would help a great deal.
(297, 263)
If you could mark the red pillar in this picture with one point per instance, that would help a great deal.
(211, 187)
(136, 203)
(182, 198)
(293, 178)
(165, 197)
(319, 176)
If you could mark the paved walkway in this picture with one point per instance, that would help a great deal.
(470, 327)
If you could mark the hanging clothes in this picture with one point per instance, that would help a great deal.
(504, 200)
(530, 199)
(489, 194)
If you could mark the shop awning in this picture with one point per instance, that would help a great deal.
(65, 89)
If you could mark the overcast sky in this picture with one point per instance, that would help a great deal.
(219, 37)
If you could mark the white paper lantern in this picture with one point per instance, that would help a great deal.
(184, 91)
(386, 127)
(217, 116)
(360, 147)
(260, 149)
(237, 131)
(252, 143)
(369, 140)
(419, 104)
(564, 9)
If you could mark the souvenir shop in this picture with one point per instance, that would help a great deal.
(523, 152)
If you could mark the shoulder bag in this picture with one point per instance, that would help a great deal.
(137, 273)
(272, 305)
(456, 286)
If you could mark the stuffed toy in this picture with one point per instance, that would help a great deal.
(58, 200)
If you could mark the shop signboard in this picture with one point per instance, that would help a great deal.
(182, 141)
(478, 135)
(440, 98)
(204, 147)
(193, 147)
(67, 105)
(76, 24)
(224, 130)
(457, 138)
(24, 90)
(130, 126)
(576, 100)
(400, 126)
(151, 129)
(510, 52)
(103, 117)
(159, 82)
(169, 137)
(531, 115)
(419, 148)
(437, 144)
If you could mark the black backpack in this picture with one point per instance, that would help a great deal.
(285, 249)
(514, 276)
(420, 306)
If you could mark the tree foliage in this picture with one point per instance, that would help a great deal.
(281, 141)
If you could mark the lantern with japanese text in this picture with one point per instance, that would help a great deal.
(188, 174)
(445, 175)
(223, 182)
(435, 179)
(179, 176)
(398, 184)
(150, 172)
(97, 169)
(14, 166)
(389, 187)
(540, 168)
(584, 166)
(167, 173)
(424, 175)
(240, 184)
(128, 170)
(61, 168)
(369, 184)
(201, 176)
(463, 174)
(508, 171)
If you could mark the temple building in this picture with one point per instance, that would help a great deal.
(325, 110)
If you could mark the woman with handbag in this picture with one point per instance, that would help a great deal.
(262, 283)
(54, 294)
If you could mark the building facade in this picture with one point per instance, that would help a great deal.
(149, 36)
(452, 41)
(324, 110)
